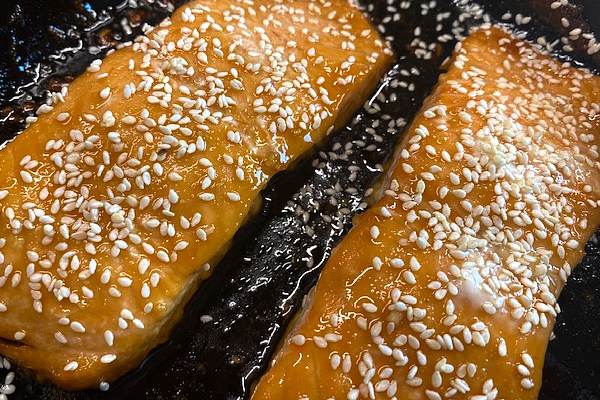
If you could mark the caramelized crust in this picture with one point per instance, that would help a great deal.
(118, 200)
(447, 286)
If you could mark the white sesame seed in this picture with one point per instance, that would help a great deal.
(206, 196)
(374, 232)
(71, 366)
(163, 256)
(298, 340)
(77, 326)
(108, 358)
(105, 93)
(233, 196)
(60, 338)
(109, 337)
(369, 307)
(527, 383)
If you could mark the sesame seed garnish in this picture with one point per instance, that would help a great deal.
(452, 278)
(109, 337)
(155, 166)
(71, 366)
(374, 232)
(108, 358)
(105, 93)
(77, 327)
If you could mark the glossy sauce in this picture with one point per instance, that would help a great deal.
(268, 265)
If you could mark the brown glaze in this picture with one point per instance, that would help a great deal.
(149, 178)
(447, 286)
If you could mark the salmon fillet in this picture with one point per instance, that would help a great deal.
(118, 201)
(446, 287)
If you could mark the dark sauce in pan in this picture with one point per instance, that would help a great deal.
(231, 327)
(45, 44)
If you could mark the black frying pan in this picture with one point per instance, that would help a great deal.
(276, 258)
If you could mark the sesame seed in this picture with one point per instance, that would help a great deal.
(108, 358)
(105, 93)
(77, 326)
(71, 366)
(60, 338)
(374, 232)
(206, 196)
(233, 196)
(369, 307)
(527, 383)
(143, 265)
(298, 340)
(109, 337)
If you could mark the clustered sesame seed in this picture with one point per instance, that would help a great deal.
(573, 39)
(8, 387)
(166, 153)
(490, 202)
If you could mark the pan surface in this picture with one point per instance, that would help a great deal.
(232, 325)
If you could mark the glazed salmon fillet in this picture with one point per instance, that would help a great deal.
(446, 287)
(119, 200)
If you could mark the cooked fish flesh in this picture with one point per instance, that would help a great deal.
(124, 193)
(446, 287)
